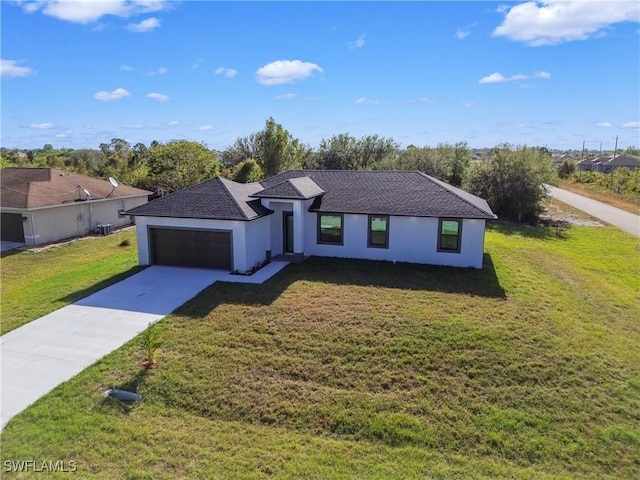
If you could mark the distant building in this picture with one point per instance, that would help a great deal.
(43, 205)
(609, 163)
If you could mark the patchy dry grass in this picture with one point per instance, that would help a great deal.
(350, 369)
(629, 202)
(38, 282)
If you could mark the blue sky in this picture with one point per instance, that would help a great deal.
(554, 73)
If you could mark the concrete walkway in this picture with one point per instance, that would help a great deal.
(42, 354)
(626, 221)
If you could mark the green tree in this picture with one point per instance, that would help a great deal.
(179, 164)
(511, 181)
(273, 148)
(248, 171)
(566, 169)
(344, 152)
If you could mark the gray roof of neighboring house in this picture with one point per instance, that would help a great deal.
(23, 187)
(301, 188)
(623, 161)
(403, 193)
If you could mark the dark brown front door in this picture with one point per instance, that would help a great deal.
(190, 248)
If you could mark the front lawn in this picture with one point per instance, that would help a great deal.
(38, 282)
(351, 369)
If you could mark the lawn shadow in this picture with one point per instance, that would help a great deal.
(85, 292)
(545, 230)
(339, 271)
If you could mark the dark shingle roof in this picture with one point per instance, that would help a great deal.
(407, 193)
(340, 191)
(43, 187)
(301, 188)
(218, 198)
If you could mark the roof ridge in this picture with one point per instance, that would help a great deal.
(231, 195)
(452, 189)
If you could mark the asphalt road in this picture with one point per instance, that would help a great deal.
(626, 221)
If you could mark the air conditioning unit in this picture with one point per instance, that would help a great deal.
(105, 229)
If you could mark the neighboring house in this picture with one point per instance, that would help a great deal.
(608, 163)
(43, 205)
(559, 158)
(378, 215)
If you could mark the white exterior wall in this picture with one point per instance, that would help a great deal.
(411, 239)
(76, 219)
(249, 240)
(258, 239)
(277, 224)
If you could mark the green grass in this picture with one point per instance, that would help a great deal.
(348, 369)
(35, 283)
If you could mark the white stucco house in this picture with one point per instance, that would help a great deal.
(380, 215)
(44, 205)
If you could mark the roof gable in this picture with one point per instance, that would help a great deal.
(299, 188)
(218, 198)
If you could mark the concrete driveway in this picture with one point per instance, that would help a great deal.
(42, 354)
(626, 221)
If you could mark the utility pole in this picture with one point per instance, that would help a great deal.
(615, 151)
(580, 165)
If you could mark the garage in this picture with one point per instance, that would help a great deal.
(11, 227)
(191, 248)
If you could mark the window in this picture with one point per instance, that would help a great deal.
(449, 235)
(330, 229)
(378, 231)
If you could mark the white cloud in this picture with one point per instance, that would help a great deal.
(227, 72)
(631, 125)
(470, 104)
(160, 71)
(145, 25)
(542, 74)
(285, 71)
(173, 123)
(11, 69)
(42, 125)
(126, 68)
(464, 32)
(157, 96)
(497, 77)
(368, 101)
(87, 11)
(136, 126)
(425, 100)
(552, 22)
(604, 124)
(198, 63)
(117, 94)
(64, 134)
(287, 96)
(493, 78)
(205, 128)
(502, 8)
(359, 43)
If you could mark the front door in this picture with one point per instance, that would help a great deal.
(288, 232)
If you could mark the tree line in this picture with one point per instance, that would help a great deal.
(509, 178)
